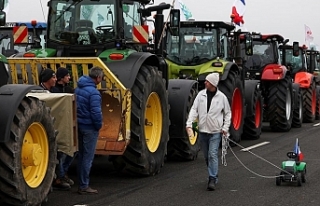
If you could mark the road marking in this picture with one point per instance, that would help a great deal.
(315, 125)
(254, 146)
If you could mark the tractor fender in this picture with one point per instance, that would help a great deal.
(179, 91)
(302, 166)
(11, 95)
(296, 90)
(229, 66)
(250, 86)
(304, 79)
(274, 72)
(127, 70)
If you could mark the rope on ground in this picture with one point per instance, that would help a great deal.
(225, 145)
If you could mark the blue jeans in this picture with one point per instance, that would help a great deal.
(210, 146)
(64, 163)
(87, 140)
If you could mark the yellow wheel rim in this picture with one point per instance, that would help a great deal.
(35, 154)
(153, 122)
(194, 138)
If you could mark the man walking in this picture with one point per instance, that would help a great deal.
(212, 109)
(89, 116)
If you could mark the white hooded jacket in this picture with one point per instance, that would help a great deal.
(216, 119)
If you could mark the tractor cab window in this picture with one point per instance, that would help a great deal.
(131, 17)
(295, 63)
(263, 54)
(82, 22)
(193, 46)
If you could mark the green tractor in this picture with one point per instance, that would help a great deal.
(136, 91)
(202, 47)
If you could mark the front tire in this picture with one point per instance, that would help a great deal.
(185, 148)
(233, 89)
(28, 159)
(280, 105)
(309, 103)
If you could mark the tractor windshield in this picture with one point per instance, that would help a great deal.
(193, 46)
(263, 54)
(295, 63)
(89, 22)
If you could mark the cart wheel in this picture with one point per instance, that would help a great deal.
(303, 175)
(299, 179)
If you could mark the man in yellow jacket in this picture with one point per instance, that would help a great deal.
(212, 109)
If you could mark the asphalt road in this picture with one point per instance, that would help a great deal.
(184, 183)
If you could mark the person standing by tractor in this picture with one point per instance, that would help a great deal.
(63, 182)
(89, 114)
(48, 80)
(212, 109)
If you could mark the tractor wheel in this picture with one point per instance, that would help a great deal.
(303, 175)
(233, 89)
(298, 110)
(309, 103)
(280, 105)
(299, 179)
(146, 151)
(318, 103)
(185, 148)
(28, 159)
(254, 114)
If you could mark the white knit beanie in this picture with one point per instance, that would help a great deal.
(213, 78)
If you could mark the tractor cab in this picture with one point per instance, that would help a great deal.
(87, 28)
(198, 42)
(19, 37)
(313, 61)
(259, 51)
(294, 57)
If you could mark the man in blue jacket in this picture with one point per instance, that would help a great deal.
(89, 116)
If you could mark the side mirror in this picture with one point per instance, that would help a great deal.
(248, 44)
(2, 18)
(175, 22)
(295, 48)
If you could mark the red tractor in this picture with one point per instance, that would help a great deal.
(313, 58)
(294, 57)
(261, 55)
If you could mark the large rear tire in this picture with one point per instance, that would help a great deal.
(146, 151)
(280, 105)
(28, 159)
(185, 148)
(233, 89)
(254, 112)
(318, 103)
(309, 103)
(298, 108)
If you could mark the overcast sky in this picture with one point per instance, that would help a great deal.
(286, 17)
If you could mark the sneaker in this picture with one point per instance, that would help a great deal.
(68, 180)
(87, 191)
(211, 185)
(59, 184)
